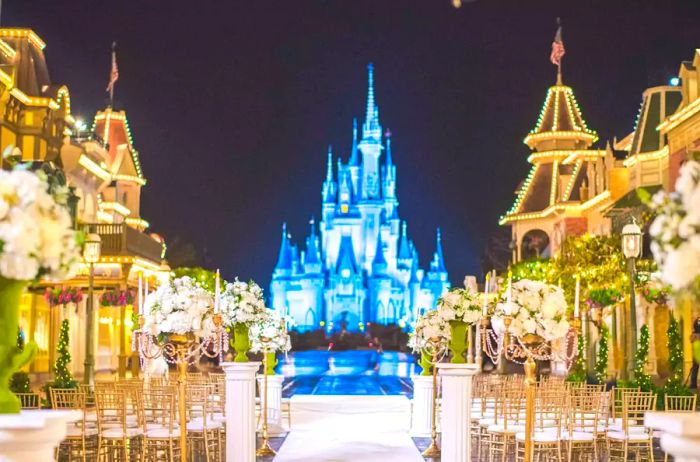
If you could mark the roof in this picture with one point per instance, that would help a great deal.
(632, 199)
(657, 104)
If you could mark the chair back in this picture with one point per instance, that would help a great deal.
(618, 394)
(680, 403)
(29, 400)
(111, 409)
(634, 406)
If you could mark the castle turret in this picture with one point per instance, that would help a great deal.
(284, 259)
(312, 263)
(379, 264)
(405, 254)
(329, 186)
(354, 162)
(371, 144)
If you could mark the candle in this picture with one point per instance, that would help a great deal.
(486, 294)
(139, 307)
(576, 297)
(510, 286)
(217, 293)
(145, 288)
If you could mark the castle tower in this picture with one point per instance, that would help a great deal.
(371, 144)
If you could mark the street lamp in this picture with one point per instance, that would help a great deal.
(632, 249)
(91, 255)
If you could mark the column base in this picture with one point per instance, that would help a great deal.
(680, 435)
(421, 406)
(33, 434)
(276, 425)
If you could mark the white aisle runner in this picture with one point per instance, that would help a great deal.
(349, 429)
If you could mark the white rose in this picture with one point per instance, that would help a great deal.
(681, 266)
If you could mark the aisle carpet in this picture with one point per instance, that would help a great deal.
(349, 429)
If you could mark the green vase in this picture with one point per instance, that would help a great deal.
(424, 363)
(12, 358)
(271, 363)
(240, 342)
(458, 341)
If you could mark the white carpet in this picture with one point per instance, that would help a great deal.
(349, 429)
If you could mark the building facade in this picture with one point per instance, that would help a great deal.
(359, 266)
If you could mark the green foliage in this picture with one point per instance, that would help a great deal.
(640, 378)
(63, 378)
(674, 384)
(20, 382)
(204, 277)
(536, 270)
(601, 298)
(578, 372)
(601, 362)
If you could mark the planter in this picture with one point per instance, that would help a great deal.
(458, 341)
(271, 358)
(11, 358)
(424, 363)
(240, 342)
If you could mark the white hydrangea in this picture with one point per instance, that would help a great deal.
(272, 329)
(460, 305)
(675, 232)
(180, 306)
(36, 234)
(242, 302)
(428, 326)
(535, 308)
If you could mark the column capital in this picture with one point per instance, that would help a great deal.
(241, 371)
(452, 369)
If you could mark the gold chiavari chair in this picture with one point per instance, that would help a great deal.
(80, 441)
(117, 440)
(583, 424)
(617, 395)
(631, 437)
(493, 413)
(679, 404)
(161, 433)
(203, 432)
(502, 434)
(29, 400)
(547, 442)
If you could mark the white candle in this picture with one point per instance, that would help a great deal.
(217, 293)
(576, 297)
(145, 288)
(510, 287)
(486, 295)
(139, 307)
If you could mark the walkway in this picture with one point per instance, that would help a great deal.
(349, 429)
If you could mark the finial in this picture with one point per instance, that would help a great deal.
(439, 235)
(403, 228)
(387, 134)
(354, 128)
(284, 228)
(370, 94)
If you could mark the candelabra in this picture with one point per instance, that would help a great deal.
(524, 350)
(265, 449)
(182, 350)
(436, 349)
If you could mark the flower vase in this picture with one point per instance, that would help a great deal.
(271, 359)
(424, 363)
(458, 341)
(12, 358)
(240, 342)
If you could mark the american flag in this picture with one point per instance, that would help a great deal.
(557, 48)
(114, 75)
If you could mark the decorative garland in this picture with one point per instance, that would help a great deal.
(578, 374)
(601, 363)
(657, 295)
(674, 384)
(63, 296)
(116, 297)
(600, 298)
(641, 379)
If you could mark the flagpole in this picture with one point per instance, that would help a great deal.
(111, 87)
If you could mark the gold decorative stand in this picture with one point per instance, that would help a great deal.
(265, 448)
(435, 349)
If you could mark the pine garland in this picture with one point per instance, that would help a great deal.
(63, 378)
(578, 373)
(601, 363)
(641, 379)
(674, 384)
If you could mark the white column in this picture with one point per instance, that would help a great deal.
(275, 425)
(240, 411)
(456, 410)
(421, 413)
(680, 434)
(33, 435)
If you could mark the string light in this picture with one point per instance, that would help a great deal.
(601, 363)
(63, 378)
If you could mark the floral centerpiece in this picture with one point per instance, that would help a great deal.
(179, 308)
(428, 327)
(536, 310)
(120, 298)
(675, 231)
(37, 240)
(601, 298)
(269, 336)
(242, 305)
(63, 296)
(656, 291)
(460, 308)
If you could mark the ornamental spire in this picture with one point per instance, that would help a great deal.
(439, 257)
(329, 165)
(371, 129)
(389, 161)
(283, 260)
(353, 152)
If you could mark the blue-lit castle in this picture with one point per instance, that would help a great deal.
(360, 266)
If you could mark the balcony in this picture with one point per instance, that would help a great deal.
(121, 240)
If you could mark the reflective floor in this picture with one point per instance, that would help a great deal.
(362, 372)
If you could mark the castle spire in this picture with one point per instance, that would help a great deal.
(353, 152)
(371, 130)
(404, 246)
(414, 269)
(389, 160)
(329, 187)
(329, 165)
(379, 252)
(283, 261)
(439, 258)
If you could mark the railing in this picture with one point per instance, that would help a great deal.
(122, 240)
(83, 136)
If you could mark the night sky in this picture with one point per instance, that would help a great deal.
(232, 104)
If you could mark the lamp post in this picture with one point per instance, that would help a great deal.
(632, 249)
(91, 255)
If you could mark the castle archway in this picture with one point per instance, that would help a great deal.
(535, 244)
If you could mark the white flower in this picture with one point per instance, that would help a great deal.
(269, 333)
(242, 303)
(459, 305)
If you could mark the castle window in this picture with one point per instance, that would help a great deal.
(344, 208)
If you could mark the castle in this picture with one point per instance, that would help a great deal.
(362, 268)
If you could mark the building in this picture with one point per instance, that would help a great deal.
(101, 168)
(360, 266)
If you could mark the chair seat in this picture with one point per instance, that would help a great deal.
(486, 421)
(73, 431)
(631, 428)
(578, 437)
(500, 428)
(112, 433)
(620, 436)
(163, 433)
(539, 437)
(197, 425)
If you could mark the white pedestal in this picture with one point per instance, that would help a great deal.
(275, 425)
(422, 415)
(240, 410)
(456, 410)
(33, 435)
(680, 435)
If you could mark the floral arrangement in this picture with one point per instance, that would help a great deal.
(272, 327)
(535, 308)
(428, 326)
(117, 298)
(460, 305)
(36, 234)
(242, 302)
(179, 307)
(63, 296)
(655, 291)
(675, 231)
(600, 298)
